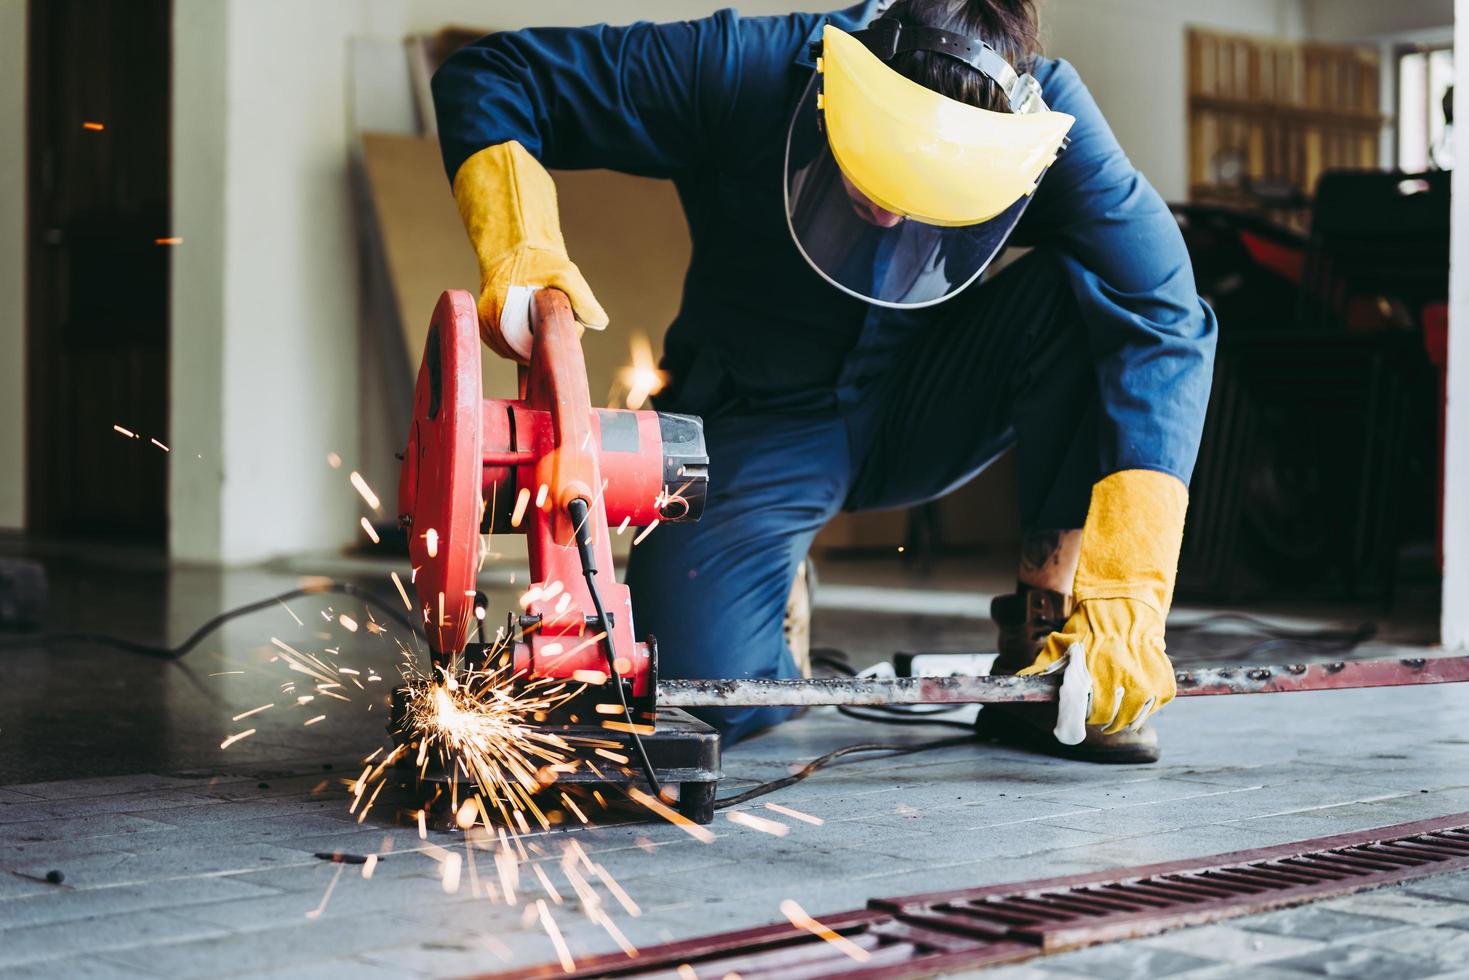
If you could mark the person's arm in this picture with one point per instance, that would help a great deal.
(1152, 340)
(646, 99)
(1151, 336)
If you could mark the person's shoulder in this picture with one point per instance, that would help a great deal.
(1059, 80)
(774, 35)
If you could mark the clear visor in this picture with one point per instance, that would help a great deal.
(865, 250)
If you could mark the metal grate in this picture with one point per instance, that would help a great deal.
(919, 935)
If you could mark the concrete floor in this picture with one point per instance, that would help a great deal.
(182, 859)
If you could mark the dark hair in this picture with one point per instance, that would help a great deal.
(1008, 26)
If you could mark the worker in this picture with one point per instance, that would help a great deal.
(847, 179)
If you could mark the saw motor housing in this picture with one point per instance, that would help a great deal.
(479, 466)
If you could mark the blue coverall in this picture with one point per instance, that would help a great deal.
(1091, 354)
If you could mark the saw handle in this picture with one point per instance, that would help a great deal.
(557, 377)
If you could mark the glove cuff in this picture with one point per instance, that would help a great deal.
(507, 201)
(1132, 537)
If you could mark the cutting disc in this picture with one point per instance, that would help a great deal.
(439, 489)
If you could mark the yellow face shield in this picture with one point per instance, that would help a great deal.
(896, 193)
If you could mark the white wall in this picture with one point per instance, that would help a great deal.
(1132, 55)
(1352, 20)
(1456, 470)
(12, 262)
(264, 307)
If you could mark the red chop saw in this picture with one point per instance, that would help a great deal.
(551, 466)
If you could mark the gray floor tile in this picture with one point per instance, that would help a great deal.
(1231, 971)
(76, 789)
(1454, 887)
(1127, 963)
(142, 804)
(328, 969)
(9, 796)
(1137, 793)
(1228, 944)
(65, 904)
(166, 858)
(108, 933)
(1403, 905)
(1316, 922)
(1446, 945)
(80, 827)
(274, 948)
(75, 968)
(1361, 961)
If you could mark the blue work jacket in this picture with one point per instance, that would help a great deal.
(706, 104)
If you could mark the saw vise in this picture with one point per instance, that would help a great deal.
(565, 474)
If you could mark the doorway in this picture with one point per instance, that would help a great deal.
(99, 240)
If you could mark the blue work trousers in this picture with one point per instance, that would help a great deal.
(925, 403)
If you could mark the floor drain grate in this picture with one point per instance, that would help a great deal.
(920, 935)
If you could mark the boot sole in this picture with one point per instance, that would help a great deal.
(1007, 729)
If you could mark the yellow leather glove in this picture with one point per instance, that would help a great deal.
(508, 203)
(1116, 672)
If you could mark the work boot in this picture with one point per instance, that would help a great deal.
(1025, 620)
(798, 616)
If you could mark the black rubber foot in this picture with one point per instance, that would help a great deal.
(696, 801)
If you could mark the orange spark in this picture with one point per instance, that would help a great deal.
(801, 920)
(521, 499)
(402, 591)
(95, 127)
(235, 738)
(773, 827)
(168, 241)
(549, 888)
(645, 532)
(366, 491)
(549, 924)
(371, 531)
(698, 833)
(452, 863)
(641, 378)
(794, 814)
(252, 711)
(316, 912)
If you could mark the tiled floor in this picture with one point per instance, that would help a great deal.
(1415, 930)
(178, 858)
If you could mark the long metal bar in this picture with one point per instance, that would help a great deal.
(1199, 682)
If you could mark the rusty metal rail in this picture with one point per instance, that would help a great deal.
(1199, 682)
(920, 935)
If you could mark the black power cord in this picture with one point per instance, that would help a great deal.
(893, 748)
(195, 638)
(577, 510)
